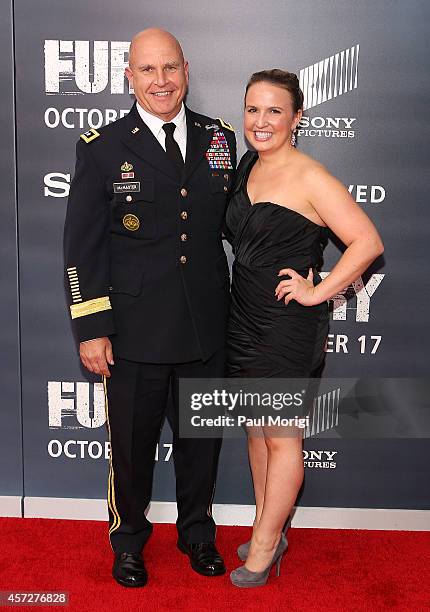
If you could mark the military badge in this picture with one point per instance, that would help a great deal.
(225, 125)
(126, 187)
(131, 222)
(218, 153)
(126, 169)
(90, 135)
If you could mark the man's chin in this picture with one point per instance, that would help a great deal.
(163, 109)
(166, 113)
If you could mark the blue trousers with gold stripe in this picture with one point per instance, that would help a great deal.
(136, 404)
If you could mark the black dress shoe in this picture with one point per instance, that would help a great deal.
(204, 558)
(129, 569)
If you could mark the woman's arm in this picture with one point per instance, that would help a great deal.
(336, 207)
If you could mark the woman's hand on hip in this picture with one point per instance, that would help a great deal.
(296, 288)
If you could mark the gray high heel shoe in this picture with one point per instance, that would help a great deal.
(243, 577)
(243, 549)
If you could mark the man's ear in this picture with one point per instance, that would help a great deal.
(129, 75)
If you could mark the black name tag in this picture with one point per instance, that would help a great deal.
(126, 187)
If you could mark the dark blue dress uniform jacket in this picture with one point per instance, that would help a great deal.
(144, 258)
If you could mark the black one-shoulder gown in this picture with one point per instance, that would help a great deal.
(265, 337)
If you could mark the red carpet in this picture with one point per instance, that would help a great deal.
(324, 570)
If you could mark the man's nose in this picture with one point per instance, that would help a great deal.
(160, 77)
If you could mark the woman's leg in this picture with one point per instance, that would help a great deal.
(284, 478)
(257, 452)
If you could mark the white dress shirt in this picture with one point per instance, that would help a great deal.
(155, 124)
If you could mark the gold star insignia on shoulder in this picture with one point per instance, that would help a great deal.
(89, 136)
(225, 125)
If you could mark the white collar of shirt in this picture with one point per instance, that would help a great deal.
(155, 124)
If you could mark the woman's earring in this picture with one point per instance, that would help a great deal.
(293, 139)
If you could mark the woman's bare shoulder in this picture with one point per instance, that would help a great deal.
(308, 166)
(314, 175)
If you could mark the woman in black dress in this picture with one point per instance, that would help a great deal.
(277, 220)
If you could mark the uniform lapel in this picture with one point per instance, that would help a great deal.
(198, 140)
(139, 139)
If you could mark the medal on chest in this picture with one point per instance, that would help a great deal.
(218, 153)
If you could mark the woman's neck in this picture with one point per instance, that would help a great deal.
(271, 160)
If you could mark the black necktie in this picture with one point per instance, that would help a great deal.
(172, 147)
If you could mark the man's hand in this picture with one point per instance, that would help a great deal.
(96, 355)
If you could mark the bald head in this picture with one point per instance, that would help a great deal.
(153, 38)
(158, 72)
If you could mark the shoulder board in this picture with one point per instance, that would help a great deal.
(89, 136)
(225, 125)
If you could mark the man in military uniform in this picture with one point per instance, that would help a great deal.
(149, 291)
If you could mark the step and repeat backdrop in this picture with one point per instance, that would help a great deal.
(363, 69)
(10, 430)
